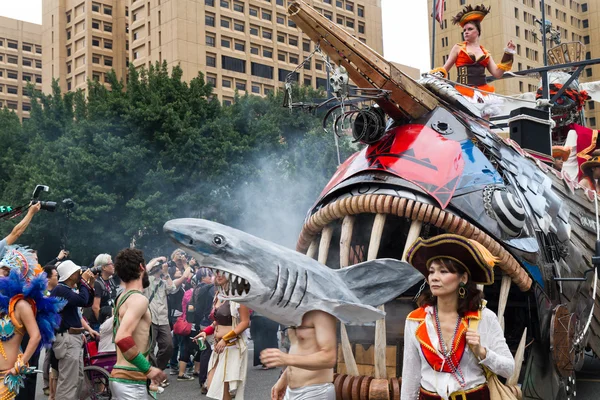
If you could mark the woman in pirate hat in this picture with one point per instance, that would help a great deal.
(443, 357)
(472, 59)
(590, 171)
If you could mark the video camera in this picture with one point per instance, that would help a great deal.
(51, 206)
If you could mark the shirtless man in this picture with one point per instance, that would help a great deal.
(310, 362)
(132, 331)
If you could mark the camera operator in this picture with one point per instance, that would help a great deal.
(68, 346)
(161, 285)
(19, 228)
(177, 267)
(105, 288)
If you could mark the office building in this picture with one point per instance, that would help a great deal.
(83, 40)
(20, 63)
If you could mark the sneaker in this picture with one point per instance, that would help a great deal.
(164, 383)
(185, 377)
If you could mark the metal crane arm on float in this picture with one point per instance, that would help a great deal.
(366, 68)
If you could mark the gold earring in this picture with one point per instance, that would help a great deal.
(462, 292)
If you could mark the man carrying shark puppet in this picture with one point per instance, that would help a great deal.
(298, 291)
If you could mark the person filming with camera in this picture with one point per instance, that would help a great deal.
(105, 289)
(160, 286)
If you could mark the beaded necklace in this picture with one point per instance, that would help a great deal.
(457, 372)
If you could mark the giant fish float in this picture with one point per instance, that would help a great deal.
(439, 168)
(431, 165)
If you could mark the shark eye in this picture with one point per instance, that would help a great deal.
(218, 240)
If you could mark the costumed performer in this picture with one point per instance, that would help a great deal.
(23, 310)
(590, 174)
(444, 356)
(228, 363)
(472, 59)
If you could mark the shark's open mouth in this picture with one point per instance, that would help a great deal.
(238, 286)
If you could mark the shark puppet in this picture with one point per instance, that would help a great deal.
(283, 284)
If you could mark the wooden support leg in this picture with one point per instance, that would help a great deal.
(380, 330)
(503, 299)
(345, 241)
(519, 355)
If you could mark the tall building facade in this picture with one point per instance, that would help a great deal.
(20, 63)
(83, 40)
(245, 45)
(576, 20)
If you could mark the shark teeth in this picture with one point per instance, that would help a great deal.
(238, 286)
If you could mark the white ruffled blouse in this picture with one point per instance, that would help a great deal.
(417, 372)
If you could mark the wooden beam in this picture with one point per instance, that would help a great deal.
(380, 330)
(345, 243)
(503, 299)
(312, 249)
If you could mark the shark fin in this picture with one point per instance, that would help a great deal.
(378, 281)
(356, 314)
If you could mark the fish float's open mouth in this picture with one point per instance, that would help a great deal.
(426, 219)
(238, 287)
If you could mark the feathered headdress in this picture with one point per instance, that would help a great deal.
(470, 13)
(14, 288)
(22, 259)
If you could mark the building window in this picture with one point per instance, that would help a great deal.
(12, 90)
(361, 28)
(255, 88)
(294, 60)
(209, 2)
(267, 52)
(211, 80)
(96, 77)
(281, 57)
(209, 20)
(350, 23)
(293, 41)
(518, 31)
(280, 20)
(211, 60)
(339, 4)
(586, 25)
(12, 45)
(361, 11)
(225, 23)
(38, 64)
(240, 86)
(239, 26)
(350, 7)
(11, 105)
(108, 44)
(38, 79)
(240, 46)
(107, 27)
(253, 12)
(95, 60)
(68, 34)
(224, 4)
(226, 83)
(254, 30)
(12, 60)
(321, 83)
(281, 38)
(238, 7)
(108, 61)
(593, 121)
(266, 15)
(95, 24)
(107, 10)
(27, 62)
(306, 46)
(210, 41)
(254, 50)
(26, 107)
(291, 23)
(586, 39)
(233, 64)
(225, 43)
(96, 42)
(95, 7)
(267, 35)
(588, 72)
(319, 66)
(12, 74)
(279, 2)
(307, 81)
(26, 47)
(261, 70)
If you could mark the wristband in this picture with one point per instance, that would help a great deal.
(131, 353)
(230, 337)
(506, 62)
(209, 330)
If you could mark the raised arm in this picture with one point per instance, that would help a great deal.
(21, 226)
(497, 70)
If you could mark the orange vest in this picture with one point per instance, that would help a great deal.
(429, 352)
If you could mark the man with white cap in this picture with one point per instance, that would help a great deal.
(77, 289)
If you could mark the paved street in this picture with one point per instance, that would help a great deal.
(258, 386)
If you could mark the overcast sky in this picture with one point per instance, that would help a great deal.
(405, 25)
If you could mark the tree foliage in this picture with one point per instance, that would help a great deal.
(160, 148)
